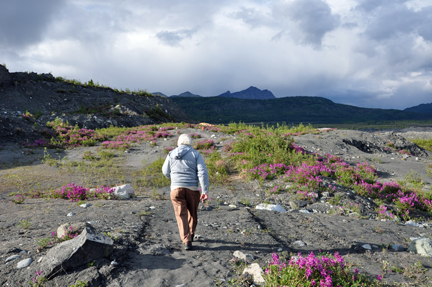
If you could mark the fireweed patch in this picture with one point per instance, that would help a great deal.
(324, 271)
(77, 193)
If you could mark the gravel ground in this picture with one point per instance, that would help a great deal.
(147, 245)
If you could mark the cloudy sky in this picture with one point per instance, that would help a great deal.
(369, 53)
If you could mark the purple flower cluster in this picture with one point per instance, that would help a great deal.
(104, 192)
(403, 151)
(392, 192)
(195, 136)
(138, 135)
(115, 144)
(169, 148)
(18, 198)
(268, 171)
(72, 192)
(204, 144)
(76, 193)
(324, 271)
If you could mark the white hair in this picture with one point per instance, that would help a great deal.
(184, 139)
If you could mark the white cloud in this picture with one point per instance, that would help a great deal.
(366, 52)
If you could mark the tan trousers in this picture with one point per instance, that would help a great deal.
(185, 202)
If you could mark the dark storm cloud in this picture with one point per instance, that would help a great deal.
(394, 20)
(313, 19)
(23, 22)
(173, 38)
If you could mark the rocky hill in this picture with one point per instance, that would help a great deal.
(30, 100)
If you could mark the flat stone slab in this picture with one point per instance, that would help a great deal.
(86, 247)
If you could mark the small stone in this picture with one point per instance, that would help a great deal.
(13, 257)
(397, 247)
(367, 247)
(24, 263)
(232, 206)
(114, 263)
(71, 214)
(152, 207)
(304, 211)
(85, 205)
(243, 256)
(280, 249)
(299, 243)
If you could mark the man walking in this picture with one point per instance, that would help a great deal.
(186, 169)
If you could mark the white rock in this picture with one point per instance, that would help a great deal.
(243, 256)
(304, 211)
(123, 191)
(256, 271)
(422, 246)
(71, 214)
(232, 206)
(299, 243)
(24, 263)
(271, 207)
(152, 207)
(367, 246)
(85, 205)
(13, 257)
(413, 223)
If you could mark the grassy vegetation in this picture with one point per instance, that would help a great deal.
(423, 143)
(257, 152)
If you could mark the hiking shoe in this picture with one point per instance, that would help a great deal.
(188, 245)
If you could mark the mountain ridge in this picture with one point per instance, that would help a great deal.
(288, 109)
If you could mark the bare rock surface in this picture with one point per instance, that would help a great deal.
(146, 248)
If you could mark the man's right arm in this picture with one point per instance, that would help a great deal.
(166, 168)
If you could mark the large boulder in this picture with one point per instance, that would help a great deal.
(4, 75)
(422, 246)
(88, 246)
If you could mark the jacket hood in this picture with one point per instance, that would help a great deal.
(180, 152)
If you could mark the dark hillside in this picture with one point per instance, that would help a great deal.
(288, 109)
(422, 108)
(29, 100)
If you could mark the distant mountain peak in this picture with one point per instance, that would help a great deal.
(251, 93)
(186, 94)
